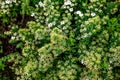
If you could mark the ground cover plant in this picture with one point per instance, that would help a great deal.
(59, 39)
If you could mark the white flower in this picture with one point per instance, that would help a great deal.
(7, 1)
(41, 4)
(93, 14)
(50, 25)
(89, 33)
(96, 9)
(62, 22)
(67, 7)
(67, 3)
(81, 30)
(82, 61)
(71, 9)
(13, 37)
(33, 14)
(82, 25)
(79, 13)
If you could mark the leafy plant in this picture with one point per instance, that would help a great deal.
(2, 65)
(67, 40)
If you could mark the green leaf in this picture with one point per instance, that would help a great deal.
(2, 65)
(5, 19)
(72, 41)
(3, 35)
(58, 51)
(15, 28)
(1, 50)
(104, 65)
(11, 41)
(19, 45)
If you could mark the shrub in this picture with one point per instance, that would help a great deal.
(68, 40)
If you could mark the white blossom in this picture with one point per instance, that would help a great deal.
(67, 3)
(71, 9)
(82, 25)
(41, 4)
(13, 37)
(7, 1)
(33, 14)
(82, 61)
(93, 14)
(62, 22)
(96, 9)
(79, 13)
(50, 25)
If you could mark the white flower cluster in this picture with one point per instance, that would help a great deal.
(13, 37)
(33, 14)
(90, 27)
(68, 4)
(10, 1)
(93, 14)
(5, 5)
(79, 13)
(41, 4)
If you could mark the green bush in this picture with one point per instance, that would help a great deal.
(66, 40)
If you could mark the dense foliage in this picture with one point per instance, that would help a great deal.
(60, 39)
